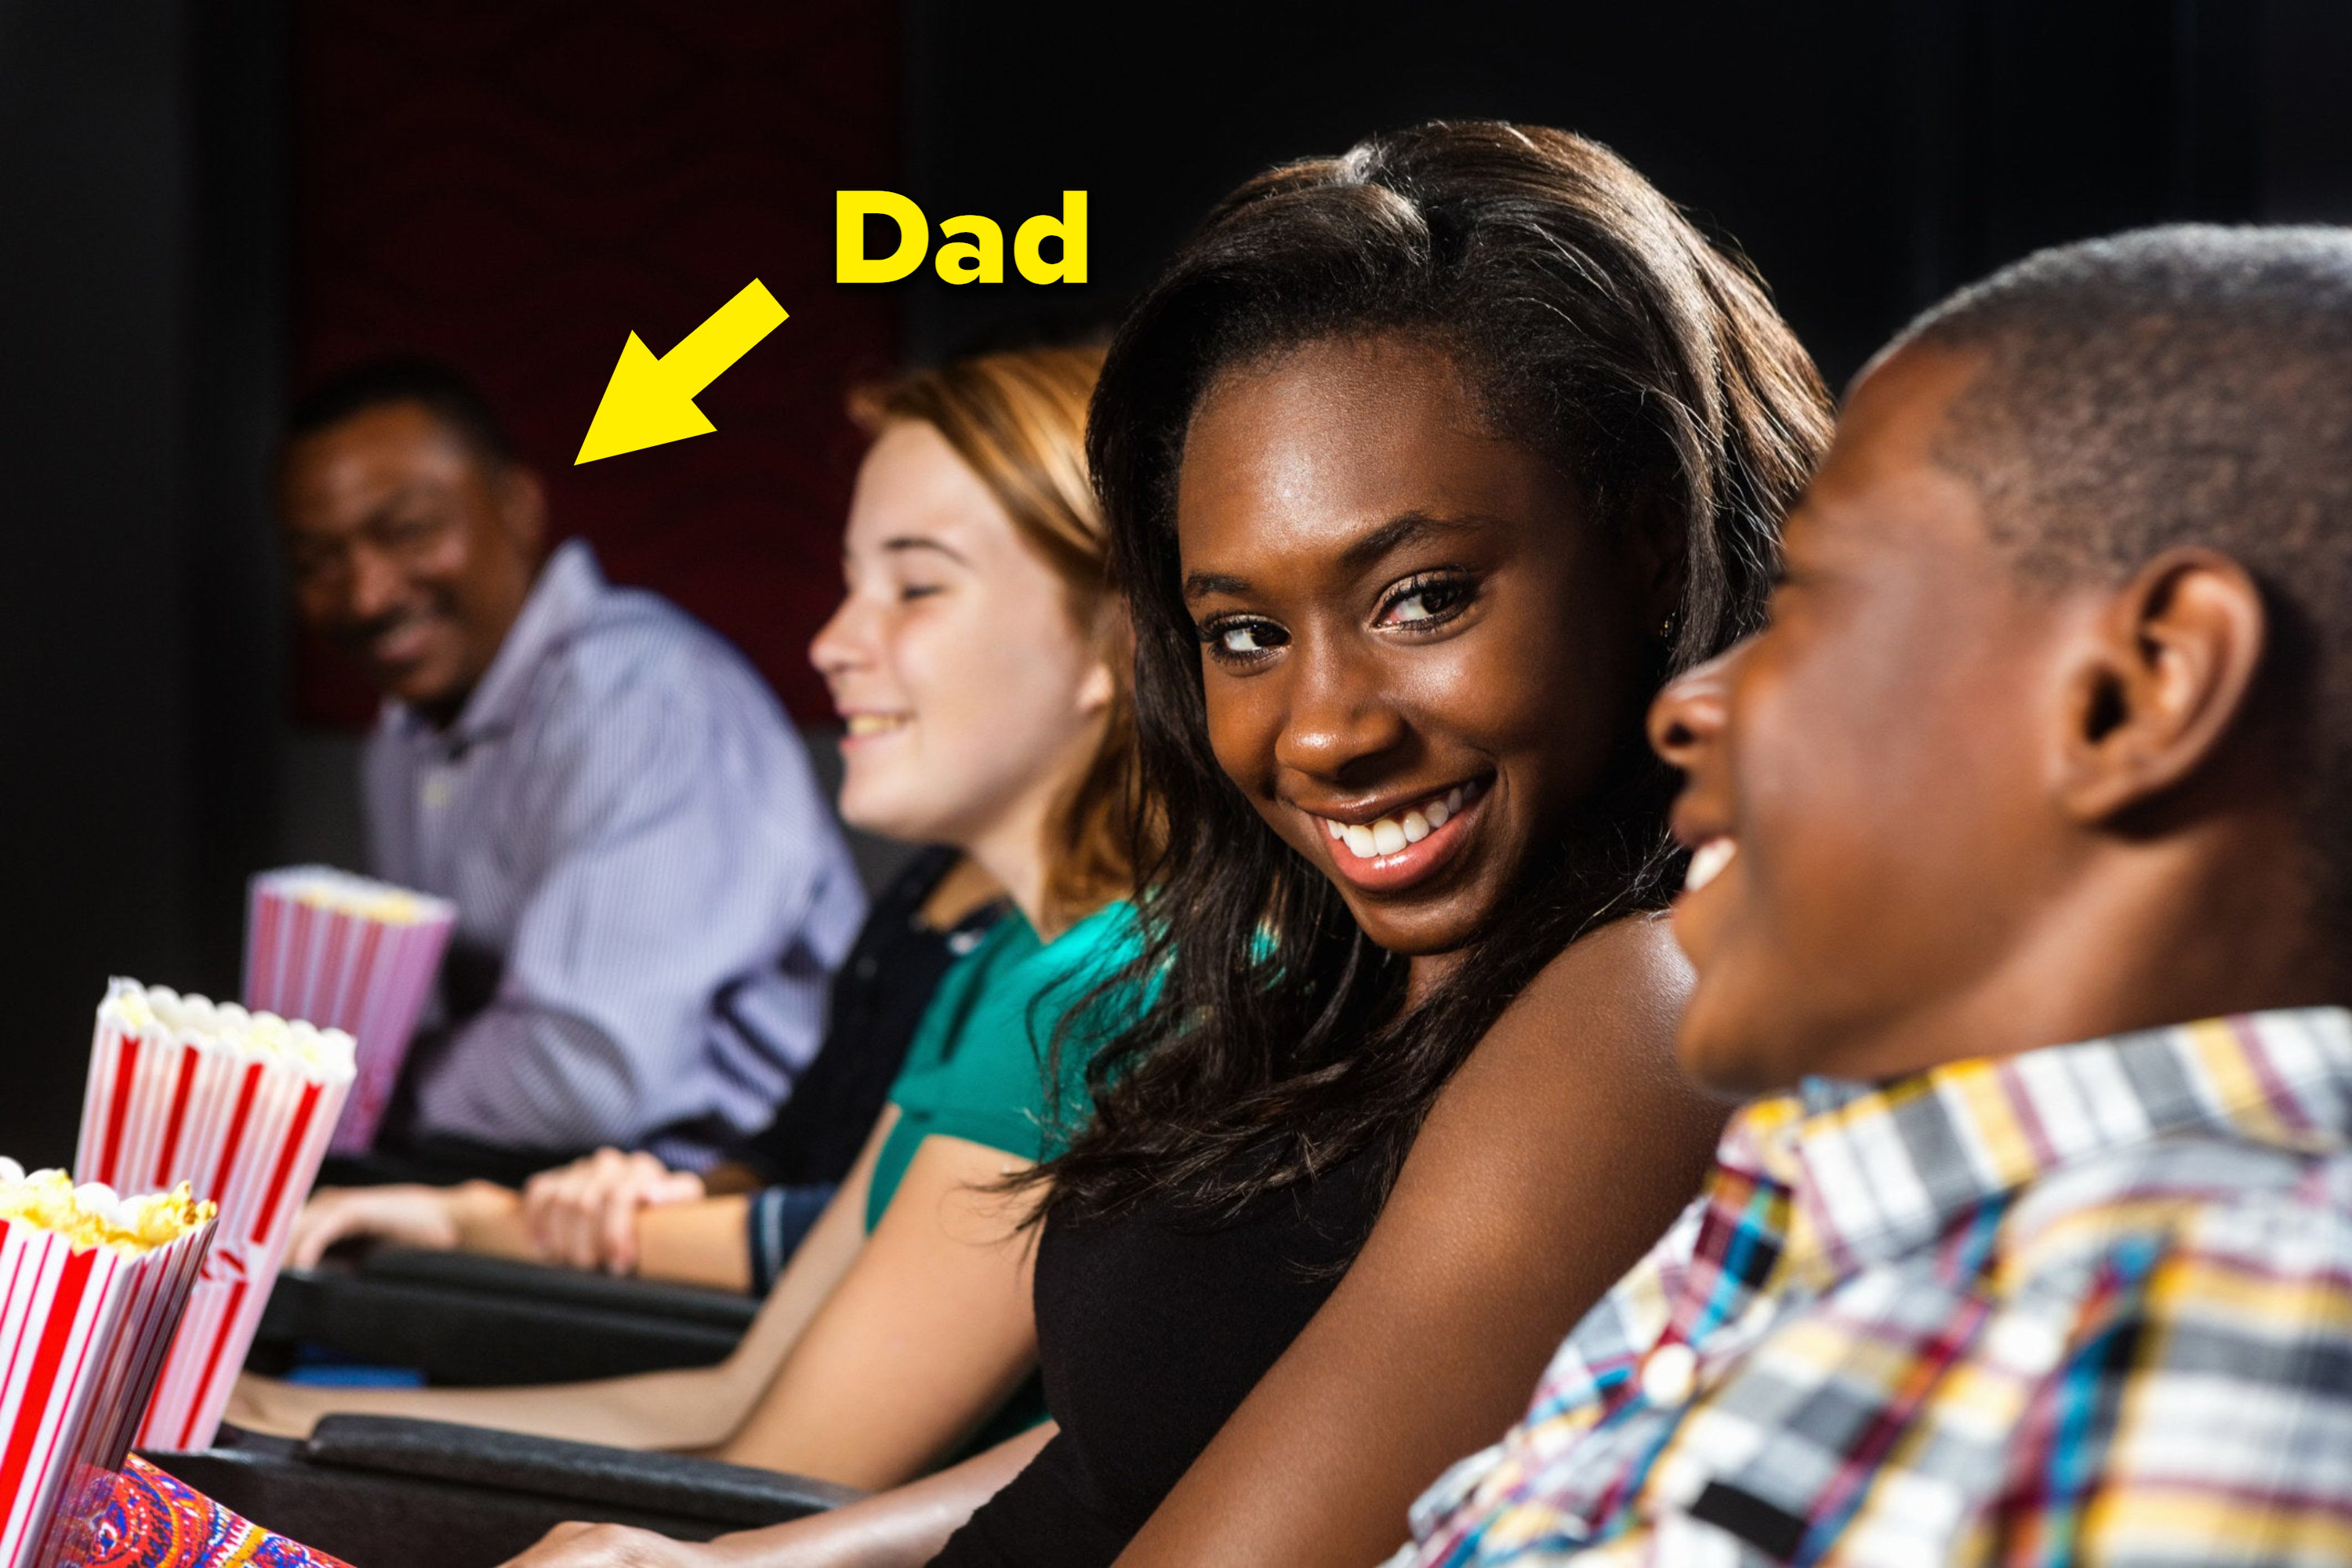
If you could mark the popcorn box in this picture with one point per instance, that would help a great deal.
(91, 1288)
(346, 952)
(238, 1105)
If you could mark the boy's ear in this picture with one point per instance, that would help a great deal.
(2160, 679)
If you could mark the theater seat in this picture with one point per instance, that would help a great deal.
(387, 1492)
(465, 1319)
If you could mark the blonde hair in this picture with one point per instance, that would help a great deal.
(1018, 420)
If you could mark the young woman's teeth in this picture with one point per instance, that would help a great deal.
(1707, 862)
(874, 723)
(1391, 834)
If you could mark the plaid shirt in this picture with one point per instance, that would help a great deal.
(2089, 1304)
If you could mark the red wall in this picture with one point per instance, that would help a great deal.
(516, 188)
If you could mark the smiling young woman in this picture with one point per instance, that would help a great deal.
(1424, 467)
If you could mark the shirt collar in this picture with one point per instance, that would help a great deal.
(1876, 1171)
(567, 588)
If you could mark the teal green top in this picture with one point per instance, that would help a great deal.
(976, 1069)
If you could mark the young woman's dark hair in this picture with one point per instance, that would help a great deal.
(1595, 325)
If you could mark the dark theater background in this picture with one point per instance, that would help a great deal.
(204, 205)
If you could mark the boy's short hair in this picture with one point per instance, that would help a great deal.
(2182, 385)
(435, 387)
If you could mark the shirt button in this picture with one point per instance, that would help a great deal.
(436, 791)
(1670, 1374)
(2026, 1346)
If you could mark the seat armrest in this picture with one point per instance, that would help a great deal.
(461, 1334)
(420, 1499)
(508, 1277)
(723, 1494)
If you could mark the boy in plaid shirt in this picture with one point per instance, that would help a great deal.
(2021, 887)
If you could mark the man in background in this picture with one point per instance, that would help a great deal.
(651, 890)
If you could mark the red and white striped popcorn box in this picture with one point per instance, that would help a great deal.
(84, 1318)
(349, 953)
(240, 1105)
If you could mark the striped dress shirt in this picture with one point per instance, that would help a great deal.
(2092, 1303)
(652, 893)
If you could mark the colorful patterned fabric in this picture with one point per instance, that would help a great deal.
(2092, 1303)
(152, 1520)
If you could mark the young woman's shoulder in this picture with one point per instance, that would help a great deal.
(1635, 958)
(1596, 1023)
(1552, 1161)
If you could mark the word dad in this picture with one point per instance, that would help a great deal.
(979, 257)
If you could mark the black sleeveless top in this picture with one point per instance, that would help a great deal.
(1151, 1328)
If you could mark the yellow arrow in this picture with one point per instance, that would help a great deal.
(650, 401)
